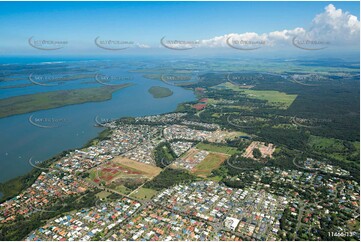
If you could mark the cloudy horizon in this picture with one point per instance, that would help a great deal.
(330, 30)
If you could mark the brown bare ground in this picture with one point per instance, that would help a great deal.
(142, 167)
(192, 152)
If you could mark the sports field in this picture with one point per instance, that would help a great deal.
(144, 193)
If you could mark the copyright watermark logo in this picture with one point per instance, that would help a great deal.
(238, 78)
(309, 122)
(306, 43)
(237, 164)
(176, 79)
(241, 121)
(179, 44)
(46, 79)
(39, 164)
(47, 122)
(110, 44)
(112, 80)
(163, 163)
(42, 44)
(103, 122)
(310, 80)
(241, 44)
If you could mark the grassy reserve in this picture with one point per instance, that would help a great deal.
(279, 99)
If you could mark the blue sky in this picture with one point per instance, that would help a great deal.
(146, 22)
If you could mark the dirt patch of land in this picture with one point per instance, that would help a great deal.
(142, 167)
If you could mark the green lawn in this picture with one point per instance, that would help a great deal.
(103, 194)
(215, 178)
(213, 101)
(121, 189)
(276, 98)
(166, 153)
(211, 162)
(93, 174)
(217, 148)
(144, 193)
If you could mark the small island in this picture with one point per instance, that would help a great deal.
(160, 92)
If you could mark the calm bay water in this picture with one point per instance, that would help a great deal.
(21, 140)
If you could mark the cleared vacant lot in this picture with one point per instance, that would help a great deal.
(217, 148)
(123, 174)
(144, 168)
(211, 162)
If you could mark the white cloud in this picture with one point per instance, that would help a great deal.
(336, 25)
(222, 40)
(332, 25)
(142, 46)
